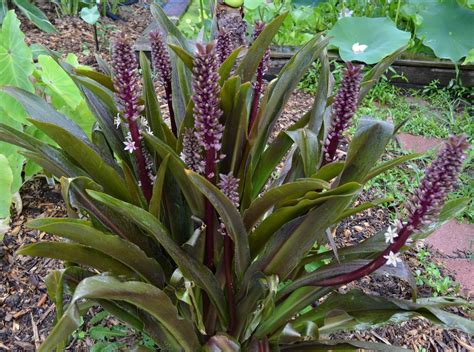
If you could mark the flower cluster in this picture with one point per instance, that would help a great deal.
(229, 185)
(343, 108)
(224, 45)
(160, 57)
(192, 151)
(261, 70)
(128, 92)
(208, 129)
(440, 179)
(162, 64)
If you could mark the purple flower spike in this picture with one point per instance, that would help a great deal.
(343, 108)
(440, 179)
(224, 45)
(162, 65)
(191, 153)
(206, 105)
(229, 185)
(128, 92)
(261, 70)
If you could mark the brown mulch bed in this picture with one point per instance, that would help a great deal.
(76, 36)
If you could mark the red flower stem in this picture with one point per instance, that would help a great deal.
(169, 100)
(140, 159)
(255, 104)
(229, 284)
(210, 172)
(368, 269)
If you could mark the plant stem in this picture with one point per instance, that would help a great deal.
(398, 12)
(169, 100)
(96, 38)
(210, 173)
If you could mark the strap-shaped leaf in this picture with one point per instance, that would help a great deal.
(368, 311)
(283, 259)
(329, 171)
(273, 155)
(231, 219)
(157, 195)
(226, 68)
(366, 147)
(144, 296)
(248, 66)
(308, 146)
(360, 208)
(275, 195)
(76, 253)
(169, 27)
(340, 345)
(292, 209)
(177, 167)
(193, 269)
(186, 57)
(82, 232)
(387, 165)
(72, 140)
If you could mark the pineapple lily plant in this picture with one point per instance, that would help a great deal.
(182, 231)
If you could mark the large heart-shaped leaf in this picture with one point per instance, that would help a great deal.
(447, 28)
(366, 39)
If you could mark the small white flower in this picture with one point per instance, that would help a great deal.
(117, 121)
(358, 48)
(130, 146)
(345, 13)
(391, 234)
(392, 259)
(149, 131)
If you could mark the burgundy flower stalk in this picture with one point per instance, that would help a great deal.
(208, 129)
(261, 70)
(162, 64)
(440, 179)
(225, 44)
(229, 185)
(343, 108)
(127, 86)
(192, 151)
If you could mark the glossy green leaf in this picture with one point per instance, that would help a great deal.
(90, 15)
(169, 27)
(177, 167)
(275, 195)
(340, 345)
(387, 165)
(329, 171)
(142, 295)
(273, 155)
(365, 149)
(82, 232)
(157, 195)
(76, 253)
(293, 208)
(230, 217)
(369, 311)
(35, 15)
(195, 271)
(350, 32)
(280, 92)
(308, 146)
(360, 208)
(248, 66)
(183, 55)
